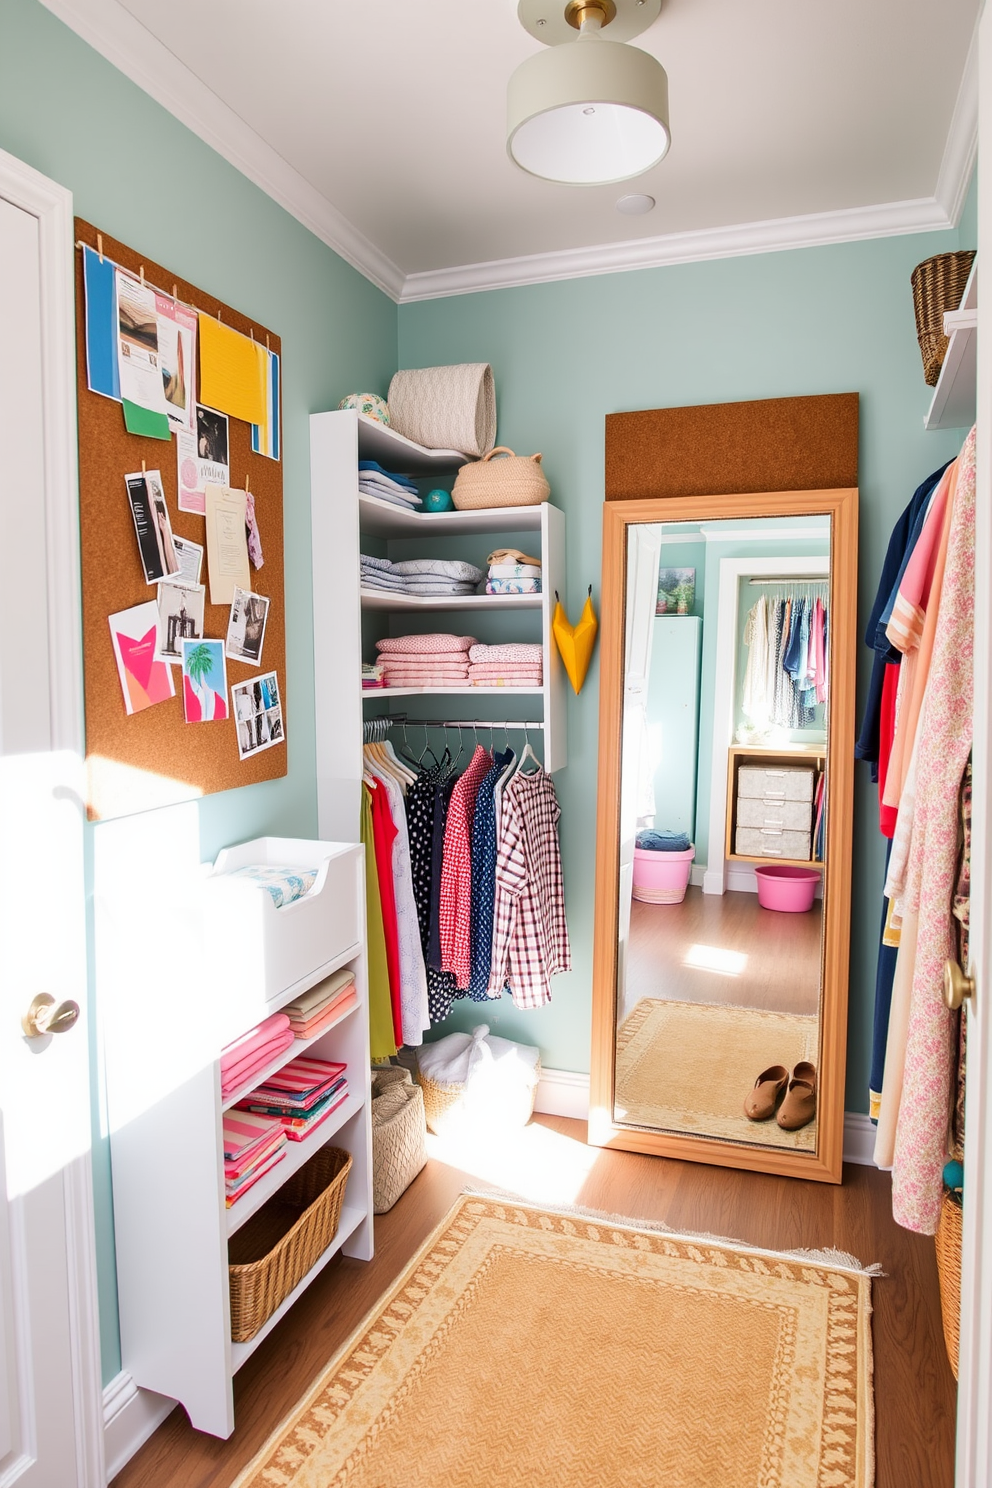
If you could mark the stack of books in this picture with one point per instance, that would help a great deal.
(300, 1096)
(252, 1145)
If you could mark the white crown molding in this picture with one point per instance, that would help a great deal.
(961, 147)
(112, 31)
(562, 1093)
(890, 219)
(117, 35)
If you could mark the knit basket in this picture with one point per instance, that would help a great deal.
(276, 1248)
(514, 480)
(399, 1133)
(476, 1081)
(938, 285)
(948, 1243)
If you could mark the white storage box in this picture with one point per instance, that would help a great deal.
(258, 954)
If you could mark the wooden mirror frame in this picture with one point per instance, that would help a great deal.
(842, 508)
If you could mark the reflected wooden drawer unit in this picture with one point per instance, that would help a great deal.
(770, 804)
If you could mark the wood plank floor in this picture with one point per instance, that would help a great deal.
(782, 953)
(914, 1388)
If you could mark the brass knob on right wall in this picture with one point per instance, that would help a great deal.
(957, 986)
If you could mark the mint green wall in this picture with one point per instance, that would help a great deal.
(135, 171)
(819, 320)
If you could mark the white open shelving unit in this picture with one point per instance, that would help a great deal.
(166, 1108)
(955, 397)
(340, 519)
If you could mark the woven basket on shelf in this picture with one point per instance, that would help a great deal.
(275, 1249)
(399, 1135)
(938, 285)
(514, 480)
(948, 1242)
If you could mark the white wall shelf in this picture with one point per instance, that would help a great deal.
(384, 519)
(340, 517)
(166, 1107)
(379, 599)
(954, 398)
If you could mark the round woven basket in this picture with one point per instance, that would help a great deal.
(948, 1243)
(444, 1105)
(513, 480)
(938, 285)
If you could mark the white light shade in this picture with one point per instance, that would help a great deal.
(588, 112)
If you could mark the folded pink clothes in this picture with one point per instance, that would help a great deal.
(241, 1047)
(235, 1191)
(337, 1009)
(239, 1074)
(499, 668)
(427, 664)
(511, 651)
(424, 679)
(507, 680)
(425, 644)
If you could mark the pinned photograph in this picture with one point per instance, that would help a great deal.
(258, 714)
(204, 681)
(152, 526)
(180, 618)
(246, 627)
(202, 457)
(190, 555)
(138, 362)
(177, 359)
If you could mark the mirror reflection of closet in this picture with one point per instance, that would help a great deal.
(724, 1027)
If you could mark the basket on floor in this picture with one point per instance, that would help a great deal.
(399, 1135)
(948, 1243)
(938, 286)
(274, 1250)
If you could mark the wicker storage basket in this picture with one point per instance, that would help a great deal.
(275, 1249)
(399, 1135)
(948, 1242)
(938, 285)
(514, 480)
(476, 1080)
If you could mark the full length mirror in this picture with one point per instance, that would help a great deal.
(725, 989)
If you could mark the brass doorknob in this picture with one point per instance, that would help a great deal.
(46, 1016)
(957, 986)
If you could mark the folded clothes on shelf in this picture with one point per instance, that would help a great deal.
(301, 1095)
(371, 675)
(373, 480)
(420, 576)
(313, 1010)
(513, 555)
(513, 572)
(430, 643)
(252, 1145)
(513, 586)
(530, 653)
(248, 1055)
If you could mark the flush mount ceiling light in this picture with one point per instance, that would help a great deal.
(589, 110)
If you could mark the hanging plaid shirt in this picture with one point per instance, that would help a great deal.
(530, 936)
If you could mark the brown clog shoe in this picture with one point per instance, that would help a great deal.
(799, 1106)
(768, 1087)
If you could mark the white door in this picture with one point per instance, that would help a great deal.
(49, 1367)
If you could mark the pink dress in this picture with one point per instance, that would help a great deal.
(944, 747)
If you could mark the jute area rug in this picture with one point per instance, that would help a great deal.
(530, 1347)
(687, 1066)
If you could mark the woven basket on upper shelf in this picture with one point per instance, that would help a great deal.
(938, 285)
(514, 480)
(948, 1242)
(275, 1249)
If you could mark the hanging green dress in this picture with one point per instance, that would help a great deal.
(383, 1044)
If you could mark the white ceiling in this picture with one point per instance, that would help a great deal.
(394, 112)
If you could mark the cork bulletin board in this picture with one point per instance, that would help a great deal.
(771, 444)
(154, 757)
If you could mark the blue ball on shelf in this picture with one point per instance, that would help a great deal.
(438, 501)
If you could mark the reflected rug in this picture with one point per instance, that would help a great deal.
(687, 1066)
(561, 1350)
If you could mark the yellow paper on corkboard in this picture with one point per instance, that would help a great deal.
(232, 372)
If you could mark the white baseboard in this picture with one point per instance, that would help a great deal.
(562, 1093)
(130, 1416)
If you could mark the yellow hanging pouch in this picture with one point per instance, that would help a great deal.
(575, 642)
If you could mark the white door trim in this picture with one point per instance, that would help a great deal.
(51, 205)
(974, 1434)
(732, 570)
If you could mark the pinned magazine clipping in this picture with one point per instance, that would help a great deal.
(575, 642)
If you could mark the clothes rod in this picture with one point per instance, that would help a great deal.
(794, 579)
(471, 723)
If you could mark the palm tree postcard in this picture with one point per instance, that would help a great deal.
(204, 681)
